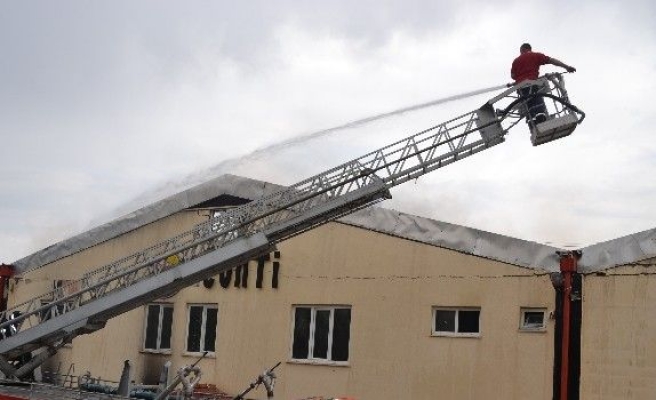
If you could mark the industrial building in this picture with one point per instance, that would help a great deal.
(376, 304)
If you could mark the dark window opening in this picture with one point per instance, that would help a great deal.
(456, 322)
(321, 333)
(159, 322)
(201, 330)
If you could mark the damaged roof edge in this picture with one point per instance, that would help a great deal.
(472, 241)
(223, 185)
(617, 252)
(625, 250)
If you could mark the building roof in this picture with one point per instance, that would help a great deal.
(625, 250)
(463, 239)
(629, 249)
(197, 196)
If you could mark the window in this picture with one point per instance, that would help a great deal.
(456, 321)
(321, 333)
(201, 329)
(159, 320)
(533, 319)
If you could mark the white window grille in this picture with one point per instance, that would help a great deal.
(158, 327)
(456, 321)
(321, 333)
(533, 319)
(202, 322)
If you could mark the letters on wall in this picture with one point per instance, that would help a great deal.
(238, 277)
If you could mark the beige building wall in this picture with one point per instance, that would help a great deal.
(391, 285)
(618, 354)
(72, 267)
(103, 351)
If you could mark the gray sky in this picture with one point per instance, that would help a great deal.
(107, 105)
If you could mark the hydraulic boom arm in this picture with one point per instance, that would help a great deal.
(242, 233)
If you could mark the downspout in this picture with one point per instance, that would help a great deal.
(568, 268)
(6, 272)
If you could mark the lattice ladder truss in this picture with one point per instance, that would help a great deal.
(240, 234)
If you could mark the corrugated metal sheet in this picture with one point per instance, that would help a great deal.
(225, 184)
(628, 249)
(459, 238)
(621, 251)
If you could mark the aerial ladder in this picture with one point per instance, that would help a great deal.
(33, 331)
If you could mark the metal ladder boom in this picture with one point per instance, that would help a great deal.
(233, 237)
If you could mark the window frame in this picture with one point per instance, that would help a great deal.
(455, 332)
(160, 321)
(311, 359)
(203, 328)
(522, 320)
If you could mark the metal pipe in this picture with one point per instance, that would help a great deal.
(267, 378)
(568, 266)
(180, 378)
(564, 358)
(6, 272)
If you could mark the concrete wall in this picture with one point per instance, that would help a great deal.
(618, 355)
(391, 286)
